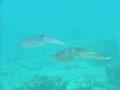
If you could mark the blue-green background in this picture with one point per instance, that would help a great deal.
(79, 23)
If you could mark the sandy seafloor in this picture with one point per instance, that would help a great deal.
(91, 24)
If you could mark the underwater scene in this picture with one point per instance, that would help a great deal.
(59, 45)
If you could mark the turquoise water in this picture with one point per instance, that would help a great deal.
(90, 24)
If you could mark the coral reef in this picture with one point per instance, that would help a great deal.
(113, 76)
(92, 83)
(44, 83)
